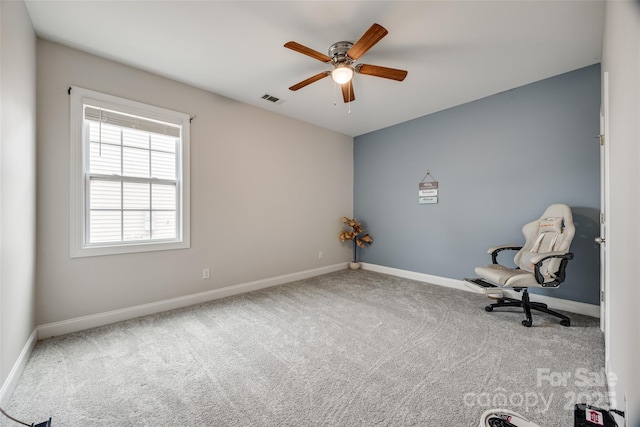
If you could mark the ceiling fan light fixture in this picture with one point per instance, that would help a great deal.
(342, 73)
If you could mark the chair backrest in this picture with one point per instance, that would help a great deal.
(552, 232)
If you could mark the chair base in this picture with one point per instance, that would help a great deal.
(527, 305)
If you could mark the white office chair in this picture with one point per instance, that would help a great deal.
(541, 263)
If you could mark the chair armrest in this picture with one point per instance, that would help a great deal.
(546, 255)
(497, 249)
(560, 274)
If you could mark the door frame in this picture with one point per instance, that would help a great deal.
(605, 272)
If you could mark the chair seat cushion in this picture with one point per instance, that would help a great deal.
(505, 276)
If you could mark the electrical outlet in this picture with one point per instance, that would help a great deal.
(206, 273)
(320, 255)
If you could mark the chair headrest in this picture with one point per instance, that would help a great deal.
(558, 210)
(551, 224)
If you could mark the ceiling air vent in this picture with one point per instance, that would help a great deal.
(271, 98)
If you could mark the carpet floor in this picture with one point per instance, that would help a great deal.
(351, 348)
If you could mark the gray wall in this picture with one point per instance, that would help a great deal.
(500, 161)
(18, 185)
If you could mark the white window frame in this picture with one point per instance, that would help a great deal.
(80, 97)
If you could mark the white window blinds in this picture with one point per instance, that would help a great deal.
(130, 121)
(131, 178)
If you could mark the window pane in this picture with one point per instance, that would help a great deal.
(104, 159)
(108, 134)
(135, 138)
(136, 195)
(104, 194)
(164, 225)
(163, 165)
(136, 225)
(135, 162)
(163, 143)
(104, 226)
(164, 196)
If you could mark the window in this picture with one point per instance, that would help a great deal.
(130, 176)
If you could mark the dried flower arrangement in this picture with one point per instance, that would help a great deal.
(354, 235)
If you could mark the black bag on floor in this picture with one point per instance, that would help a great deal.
(589, 416)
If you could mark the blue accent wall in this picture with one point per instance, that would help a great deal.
(500, 161)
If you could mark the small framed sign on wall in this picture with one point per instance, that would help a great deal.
(428, 190)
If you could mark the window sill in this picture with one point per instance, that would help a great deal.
(81, 252)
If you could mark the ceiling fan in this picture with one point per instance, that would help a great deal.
(343, 55)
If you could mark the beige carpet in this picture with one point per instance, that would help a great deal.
(352, 348)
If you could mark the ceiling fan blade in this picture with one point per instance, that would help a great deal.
(310, 80)
(373, 35)
(307, 51)
(347, 92)
(384, 72)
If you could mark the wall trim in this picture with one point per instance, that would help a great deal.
(101, 319)
(554, 303)
(16, 372)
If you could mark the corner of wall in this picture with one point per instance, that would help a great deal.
(11, 382)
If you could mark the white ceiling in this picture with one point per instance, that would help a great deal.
(455, 51)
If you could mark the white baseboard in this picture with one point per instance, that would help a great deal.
(553, 303)
(421, 277)
(86, 322)
(16, 372)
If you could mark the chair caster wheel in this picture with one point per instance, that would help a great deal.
(488, 308)
(527, 323)
(566, 322)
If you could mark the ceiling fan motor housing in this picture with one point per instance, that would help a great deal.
(338, 53)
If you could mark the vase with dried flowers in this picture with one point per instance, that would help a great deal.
(358, 235)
